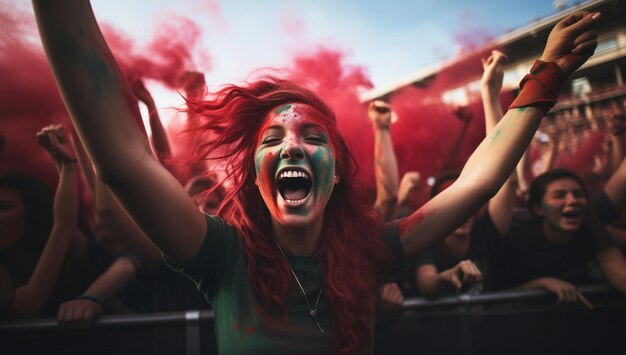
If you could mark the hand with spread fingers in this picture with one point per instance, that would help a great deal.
(572, 41)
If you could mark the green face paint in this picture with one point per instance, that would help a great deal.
(295, 165)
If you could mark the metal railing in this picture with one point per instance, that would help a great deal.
(196, 325)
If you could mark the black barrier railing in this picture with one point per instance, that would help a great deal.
(472, 324)
(170, 318)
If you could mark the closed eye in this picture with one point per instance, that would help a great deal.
(316, 138)
(271, 140)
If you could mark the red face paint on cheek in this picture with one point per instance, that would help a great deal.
(410, 222)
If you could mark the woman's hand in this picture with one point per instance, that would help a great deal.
(572, 41)
(379, 113)
(493, 72)
(390, 296)
(56, 143)
(465, 272)
(565, 291)
(78, 313)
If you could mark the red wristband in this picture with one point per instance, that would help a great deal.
(541, 87)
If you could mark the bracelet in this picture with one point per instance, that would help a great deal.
(69, 161)
(541, 87)
(89, 297)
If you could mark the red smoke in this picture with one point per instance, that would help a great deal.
(427, 127)
(338, 85)
(163, 58)
(28, 97)
(30, 100)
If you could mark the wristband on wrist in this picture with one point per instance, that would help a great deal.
(90, 297)
(541, 87)
(69, 161)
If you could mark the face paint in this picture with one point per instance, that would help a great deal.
(295, 165)
(564, 205)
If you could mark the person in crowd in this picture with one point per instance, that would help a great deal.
(553, 248)
(36, 231)
(463, 260)
(407, 192)
(279, 263)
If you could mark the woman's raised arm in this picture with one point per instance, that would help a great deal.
(100, 103)
(571, 42)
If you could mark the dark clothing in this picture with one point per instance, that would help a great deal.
(219, 271)
(527, 255)
(604, 208)
(484, 244)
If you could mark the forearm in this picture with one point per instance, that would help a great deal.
(386, 173)
(103, 110)
(492, 106)
(613, 265)
(434, 285)
(160, 142)
(31, 297)
(65, 208)
(114, 215)
(497, 155)
(92, 85)
(536, 283)
(615, 188)
(114, 280)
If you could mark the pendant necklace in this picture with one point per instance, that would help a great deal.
(312, 311)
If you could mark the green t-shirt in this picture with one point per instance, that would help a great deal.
(219, 271)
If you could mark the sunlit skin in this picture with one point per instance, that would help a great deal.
(293, 139)
(12, 217)
(563, 208)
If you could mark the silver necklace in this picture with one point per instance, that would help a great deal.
(312, 311)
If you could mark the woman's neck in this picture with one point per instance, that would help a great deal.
(556, 236)
(298, 240)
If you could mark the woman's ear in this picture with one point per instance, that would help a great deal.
(336, 179)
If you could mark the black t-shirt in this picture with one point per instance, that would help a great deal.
(484, 243)
(527, 255)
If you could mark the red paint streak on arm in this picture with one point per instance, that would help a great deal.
(411, 222)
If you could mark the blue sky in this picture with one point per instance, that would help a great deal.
(389, 38)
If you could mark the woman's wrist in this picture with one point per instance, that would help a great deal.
(89, 296)
(541, 87)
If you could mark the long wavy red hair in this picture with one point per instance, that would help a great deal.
(231, 122)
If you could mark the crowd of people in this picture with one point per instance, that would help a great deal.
(275, 251)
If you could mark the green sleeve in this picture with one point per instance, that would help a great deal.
(216, 258)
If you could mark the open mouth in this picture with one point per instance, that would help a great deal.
(574, 214)
(294, 185)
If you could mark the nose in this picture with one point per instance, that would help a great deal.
(292, 150)
(570, 198)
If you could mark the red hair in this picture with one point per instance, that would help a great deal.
(350, 241)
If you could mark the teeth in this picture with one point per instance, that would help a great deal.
(295, 201)
(293, 174)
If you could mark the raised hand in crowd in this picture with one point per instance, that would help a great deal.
(409, 186)
(385, 165)
(31, 296)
